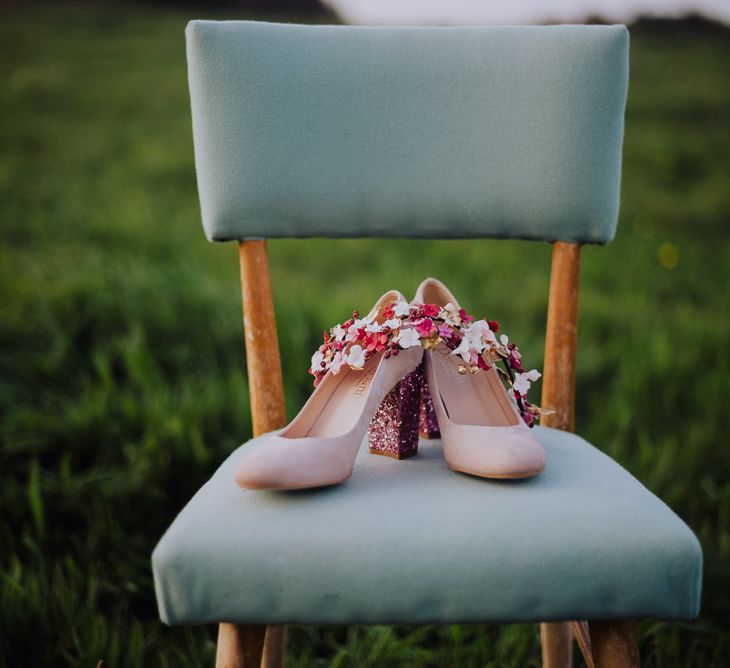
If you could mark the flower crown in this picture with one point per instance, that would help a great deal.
(402, 325)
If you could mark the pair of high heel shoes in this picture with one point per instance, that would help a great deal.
(406, 367)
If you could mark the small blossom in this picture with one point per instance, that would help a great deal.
(425, 327)
(445, 332)
(515, 360)
(401, 309)
(465, 317)
(338, 332)
(504, 340)
(432, 342)
(431, 310)
(522, 381)
(392, 323)
(409, 338)
(356, 358)
(451, 315)
(317, 360)
(376, 341)
(337, 361)
(463, 349)
(480, 328)
(373, 327)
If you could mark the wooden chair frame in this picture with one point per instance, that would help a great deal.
(603, 643)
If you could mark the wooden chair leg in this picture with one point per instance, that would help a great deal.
(558, 394)
(613, 643)
(557, 645)
(243, 646)
(274, 647)
(240, 646)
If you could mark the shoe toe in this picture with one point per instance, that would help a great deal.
(292, 464)
(491, 453)
(258, 470)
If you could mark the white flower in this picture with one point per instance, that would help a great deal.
(317, 360)
(409, 338)
(353, 329)
(480, 331)
(522, 381)
(450, 314)
(373, 328)
(356, 358)
(401, 309)
(339, 332)
(463, 349)
(393, 323)
(504, 339)
(337, 361)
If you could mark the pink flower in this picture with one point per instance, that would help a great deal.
(425, 327)
(515, 360)
(465, 317)
(445, 332)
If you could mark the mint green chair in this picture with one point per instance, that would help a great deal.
(497, 132)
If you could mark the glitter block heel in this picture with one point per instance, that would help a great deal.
(393, 431)
(428, 425)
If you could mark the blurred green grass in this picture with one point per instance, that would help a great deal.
(121, 366)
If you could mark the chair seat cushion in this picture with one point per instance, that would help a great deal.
(414, 542)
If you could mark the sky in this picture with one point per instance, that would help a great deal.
(456, 12)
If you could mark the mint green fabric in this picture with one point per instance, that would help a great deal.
(413, 542)
(342, 131)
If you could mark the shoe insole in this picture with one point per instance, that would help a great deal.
(476, 399)
(339, 404)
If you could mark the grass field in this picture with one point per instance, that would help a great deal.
(121, 368)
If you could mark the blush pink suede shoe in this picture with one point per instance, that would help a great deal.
(368, 379)
(482, 431)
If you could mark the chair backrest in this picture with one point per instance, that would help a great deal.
(341, 131)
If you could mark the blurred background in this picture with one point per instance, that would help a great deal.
(122, 378)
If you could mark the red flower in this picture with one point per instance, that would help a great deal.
(388, 312)
(493, 325)
(431, 310)
(482, 363)
(375, 341)
(465, 317)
